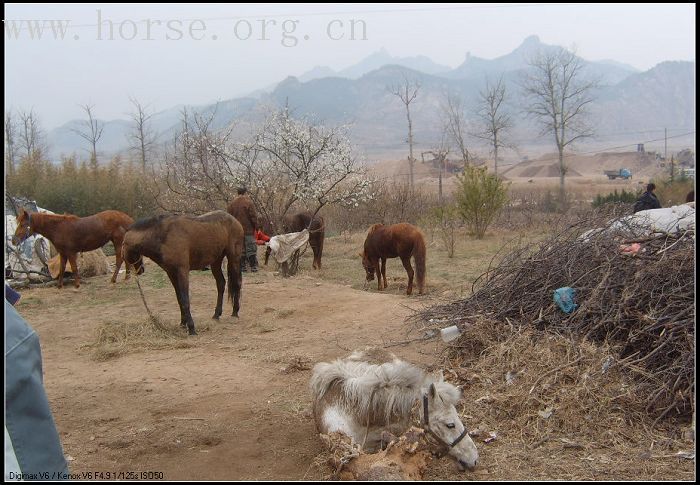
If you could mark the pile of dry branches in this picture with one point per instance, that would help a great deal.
(640, 304)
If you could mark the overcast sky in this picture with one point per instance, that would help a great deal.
(166, 55)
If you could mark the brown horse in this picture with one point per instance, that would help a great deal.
(179, 244)
(398, 240)
(317, 233)
(72, 235)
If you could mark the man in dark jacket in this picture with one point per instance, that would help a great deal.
(648, 200)
(243, 209)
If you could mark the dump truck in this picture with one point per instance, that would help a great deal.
(622, 173)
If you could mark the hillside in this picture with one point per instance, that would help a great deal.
(629, 106)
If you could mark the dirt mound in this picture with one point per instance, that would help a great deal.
(641, 165)
(545, 166)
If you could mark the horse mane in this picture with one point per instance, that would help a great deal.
(149, 222)
(381, 390)
(52, 217)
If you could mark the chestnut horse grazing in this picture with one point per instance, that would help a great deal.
(72, 235)
(398, 240)
(179, 244)
(317, 233)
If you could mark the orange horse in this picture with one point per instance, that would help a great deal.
(72, 235)
(398, 240)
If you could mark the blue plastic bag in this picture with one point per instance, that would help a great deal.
(564, 297)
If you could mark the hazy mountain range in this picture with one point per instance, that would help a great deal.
(628, 101)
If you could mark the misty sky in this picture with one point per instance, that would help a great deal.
(166, 55)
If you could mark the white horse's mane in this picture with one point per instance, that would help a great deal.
(389, 389)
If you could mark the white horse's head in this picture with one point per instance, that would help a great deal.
(440, 419)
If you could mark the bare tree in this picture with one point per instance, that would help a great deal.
(200, 173)
(407, 91)
(141, 136)
(10, 142)
(30, 134)
(92, 133)
(493, 119)
(455, 124)
(559, 97)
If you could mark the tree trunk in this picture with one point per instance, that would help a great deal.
(562, 187)
(410, 145)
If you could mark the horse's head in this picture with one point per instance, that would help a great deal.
(368, 265)
(132, 256)
(439, 417)
(24, 229)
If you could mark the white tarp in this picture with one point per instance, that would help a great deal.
(674, 219)
(670, 220)
(283, 246)
(31, 254)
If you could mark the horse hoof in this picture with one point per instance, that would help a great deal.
(192, 332)
(215, 317)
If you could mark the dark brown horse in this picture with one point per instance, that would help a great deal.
(179, 244)
(398, 240)
(72, 235)
(317, 233)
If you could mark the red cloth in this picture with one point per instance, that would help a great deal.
(261, 238)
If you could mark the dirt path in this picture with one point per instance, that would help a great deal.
(229, 407)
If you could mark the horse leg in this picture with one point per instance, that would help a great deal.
(73, 258)
(235, 281)
(378, 270)
(119, 258)
(180, 281)
(384, 272)
(62, 268)
(220, 285)
(409, 269)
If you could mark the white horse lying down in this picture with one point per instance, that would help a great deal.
(372, 391)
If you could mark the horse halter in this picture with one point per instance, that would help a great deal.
(28, 226)
(445, 446)
(126, 260)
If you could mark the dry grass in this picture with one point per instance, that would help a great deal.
(445, 277)
(558, 409)
(114, 339)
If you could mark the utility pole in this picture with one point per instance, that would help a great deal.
(672, 174)
(665, 144)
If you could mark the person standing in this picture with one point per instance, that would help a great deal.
(32, 444)
(243, 209)
(647, 200)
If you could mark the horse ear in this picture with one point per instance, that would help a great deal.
(431, 391)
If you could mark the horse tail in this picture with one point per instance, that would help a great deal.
(419, 253)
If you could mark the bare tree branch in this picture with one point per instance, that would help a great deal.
(559, 96)
(407, 91)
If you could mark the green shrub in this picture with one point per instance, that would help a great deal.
(615, 197)
(480, 198)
